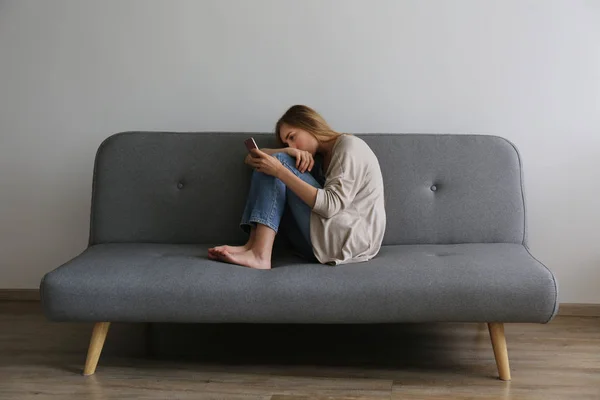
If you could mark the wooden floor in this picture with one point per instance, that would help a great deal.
(43, 360)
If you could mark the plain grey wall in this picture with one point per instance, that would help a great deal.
(73, 72)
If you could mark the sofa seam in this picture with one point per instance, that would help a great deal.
(554, 309)
(270, 134)
(521, 185)
(91, 236)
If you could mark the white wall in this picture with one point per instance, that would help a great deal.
(73, 72)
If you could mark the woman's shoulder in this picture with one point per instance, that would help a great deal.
(350, 143)
(356, 151)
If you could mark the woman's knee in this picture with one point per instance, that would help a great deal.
(285, 159)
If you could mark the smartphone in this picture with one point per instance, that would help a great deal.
(250, 144)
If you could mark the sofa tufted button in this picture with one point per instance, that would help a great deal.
(180, 185)
(433, 188)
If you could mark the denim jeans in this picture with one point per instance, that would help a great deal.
(268, 198)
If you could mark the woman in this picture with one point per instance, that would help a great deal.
(341, 219)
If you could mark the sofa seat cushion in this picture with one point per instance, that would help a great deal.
(495, 282)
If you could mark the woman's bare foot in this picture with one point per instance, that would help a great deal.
(247, 258)
(213, 251)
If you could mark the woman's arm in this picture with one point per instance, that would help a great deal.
(270, 165)
(347, 174)
(304, 160)
(273, 151)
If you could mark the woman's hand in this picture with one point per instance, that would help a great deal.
(304, 160)
(264, 163)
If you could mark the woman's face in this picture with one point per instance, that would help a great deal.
(298, 139)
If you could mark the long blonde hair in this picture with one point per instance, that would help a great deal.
(305, 118)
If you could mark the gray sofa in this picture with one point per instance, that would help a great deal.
(455, 247)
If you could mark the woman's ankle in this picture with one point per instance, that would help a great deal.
(250, 243)
(261, 254)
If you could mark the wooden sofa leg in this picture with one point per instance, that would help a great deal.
(96, 344)
(500, 352)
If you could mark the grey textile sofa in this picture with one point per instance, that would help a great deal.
(455, 247)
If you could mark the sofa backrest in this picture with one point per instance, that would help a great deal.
(166, 187)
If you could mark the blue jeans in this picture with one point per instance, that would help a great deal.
(267, 201)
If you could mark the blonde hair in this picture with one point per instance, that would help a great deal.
(305, 118)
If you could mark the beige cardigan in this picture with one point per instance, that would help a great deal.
(348, 220)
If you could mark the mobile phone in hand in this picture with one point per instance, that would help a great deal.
(250, 144)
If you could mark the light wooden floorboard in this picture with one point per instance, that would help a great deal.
(43, 360)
